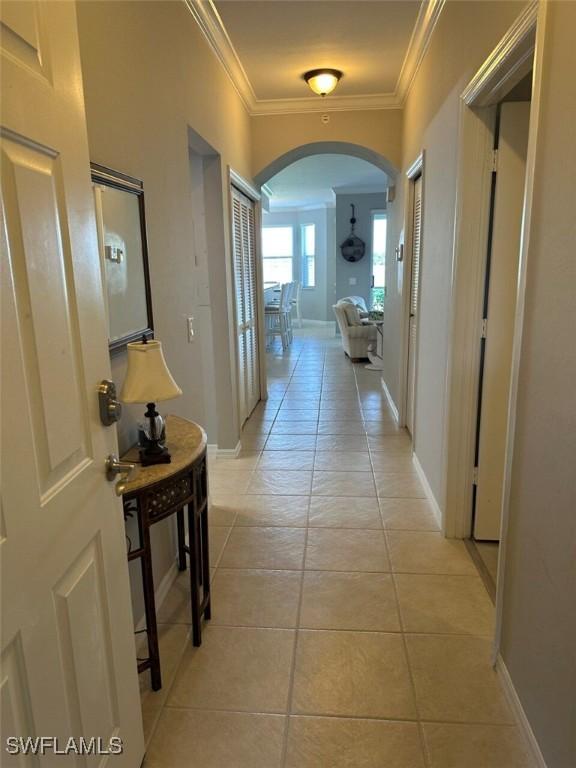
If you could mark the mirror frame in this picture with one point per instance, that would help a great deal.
(110, 178)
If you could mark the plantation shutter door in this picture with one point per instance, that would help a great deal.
(239, 297)
(414, 289)
(246, 302)
(253, 373)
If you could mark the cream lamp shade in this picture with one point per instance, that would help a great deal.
(148, 379)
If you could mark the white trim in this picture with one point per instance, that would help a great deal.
(226, 453)
(366, 189)
(279, 208)
(518, 710)
(212, 27)
(415, 169)
(428, 490)
(314, 104)
(508, 63)
(390, 400)
(421, 35)
(520, 303)
(161, 591)
(245, 186)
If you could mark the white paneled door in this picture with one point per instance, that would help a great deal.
(67, 643)
(246, 292)
(413, 312)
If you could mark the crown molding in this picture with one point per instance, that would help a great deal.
(303, 208)
(428, 16)
(508, 63)
(320, 104)
(212, 27)
(361, 189)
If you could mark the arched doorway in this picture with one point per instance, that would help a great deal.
(322, 148)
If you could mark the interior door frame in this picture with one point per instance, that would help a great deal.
(235, 179)
(415, 170)
(519, 51)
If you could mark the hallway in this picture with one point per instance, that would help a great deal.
(346, 631)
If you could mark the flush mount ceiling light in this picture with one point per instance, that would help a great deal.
(323, 81)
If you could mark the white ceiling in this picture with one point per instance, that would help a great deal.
(313, 181)
(265, 46)
(278, 40)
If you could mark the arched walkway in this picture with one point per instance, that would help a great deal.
(324, 148)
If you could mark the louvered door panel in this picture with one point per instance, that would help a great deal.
(414, 292)
(243, 226)
(253, 389)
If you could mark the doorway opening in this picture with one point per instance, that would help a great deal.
(306, 209)
(495, 177)
(498, 313)
(309, 204)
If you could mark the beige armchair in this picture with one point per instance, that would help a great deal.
(356, 335)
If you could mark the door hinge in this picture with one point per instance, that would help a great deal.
(494, 161)
(484, 328)
(475, 476)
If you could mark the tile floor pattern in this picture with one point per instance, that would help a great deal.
(346, 632)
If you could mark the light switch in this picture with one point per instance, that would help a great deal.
(190, 323)
(352, 281)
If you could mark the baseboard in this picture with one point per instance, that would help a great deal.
(391, 402)
(161, 591)
(516, 706)
(224, 453)
(429, 494)
(229, 453)
(305, 322)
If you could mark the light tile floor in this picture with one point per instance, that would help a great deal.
(346, 632)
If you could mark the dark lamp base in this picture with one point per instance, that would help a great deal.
(148, 458)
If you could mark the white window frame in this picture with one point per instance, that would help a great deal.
(380, 212)
(304, 256)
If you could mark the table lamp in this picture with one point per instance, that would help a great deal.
(148, 380)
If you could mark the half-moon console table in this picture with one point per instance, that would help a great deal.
(154, 493)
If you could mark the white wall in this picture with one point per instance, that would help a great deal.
(539, 616)
(360, 271)
(313, 301)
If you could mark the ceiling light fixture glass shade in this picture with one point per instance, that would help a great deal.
(323, 81)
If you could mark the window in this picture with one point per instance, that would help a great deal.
(277, 253)
(308, 256)
(378, 259)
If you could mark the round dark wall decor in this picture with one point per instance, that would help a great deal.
(353, 248)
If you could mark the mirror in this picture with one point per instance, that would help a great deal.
(124, 255)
